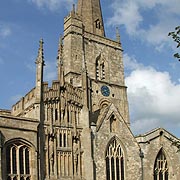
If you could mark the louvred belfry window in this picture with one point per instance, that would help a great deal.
(100, 69)
(161, 167)
(114, 161)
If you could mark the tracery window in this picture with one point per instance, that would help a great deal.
(161, 167)
(18, 162)
(114, 161)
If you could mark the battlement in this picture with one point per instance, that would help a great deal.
(72, 14)
(72, 94)
(51, 92)
(24, 103)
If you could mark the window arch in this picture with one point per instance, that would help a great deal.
(18, 161)
(114, 161)
(161, 167)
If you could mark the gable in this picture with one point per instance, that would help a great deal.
(108, 114)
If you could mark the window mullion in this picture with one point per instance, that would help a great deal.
(110, 168)
(24, 161)
(17, 163)
(120, 175)
(115, 170)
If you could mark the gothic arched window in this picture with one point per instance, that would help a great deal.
(18, 161)
(114, 161)
(161, 167)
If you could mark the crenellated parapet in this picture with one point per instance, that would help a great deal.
(24, 104)
(51, 92)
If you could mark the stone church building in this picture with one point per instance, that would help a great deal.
(78, 128)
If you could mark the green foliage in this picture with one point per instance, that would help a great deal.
(176, 37)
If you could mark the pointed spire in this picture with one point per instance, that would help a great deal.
(90, 11)
(39, 72)
(117, 35)
(60, 62)
(40, 57)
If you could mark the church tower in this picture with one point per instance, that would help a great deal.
(102, 57)
(93, 64)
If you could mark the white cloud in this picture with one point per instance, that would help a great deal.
(53, 5)
(131, 63)
(50, 71)
(5, 31)
(148, 20)
(127, 14)
(153, 98)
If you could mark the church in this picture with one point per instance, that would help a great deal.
(78, 127)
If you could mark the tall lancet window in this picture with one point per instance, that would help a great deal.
(18, 161)
(161, 167)
(114, 161)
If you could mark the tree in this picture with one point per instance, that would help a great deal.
(176, 37)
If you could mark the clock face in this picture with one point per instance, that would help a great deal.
(105, 91)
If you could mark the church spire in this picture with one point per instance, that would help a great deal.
(90, 11)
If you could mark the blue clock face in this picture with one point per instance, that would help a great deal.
(105, 91)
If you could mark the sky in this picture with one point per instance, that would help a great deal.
(152, 75)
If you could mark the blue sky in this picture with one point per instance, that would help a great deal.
(152, 74)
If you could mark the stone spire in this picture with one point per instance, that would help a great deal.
(60, 62)
(90, 11)
(39, 107)
(39, 71)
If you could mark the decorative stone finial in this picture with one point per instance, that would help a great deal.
(40, 57)
(117, 35)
